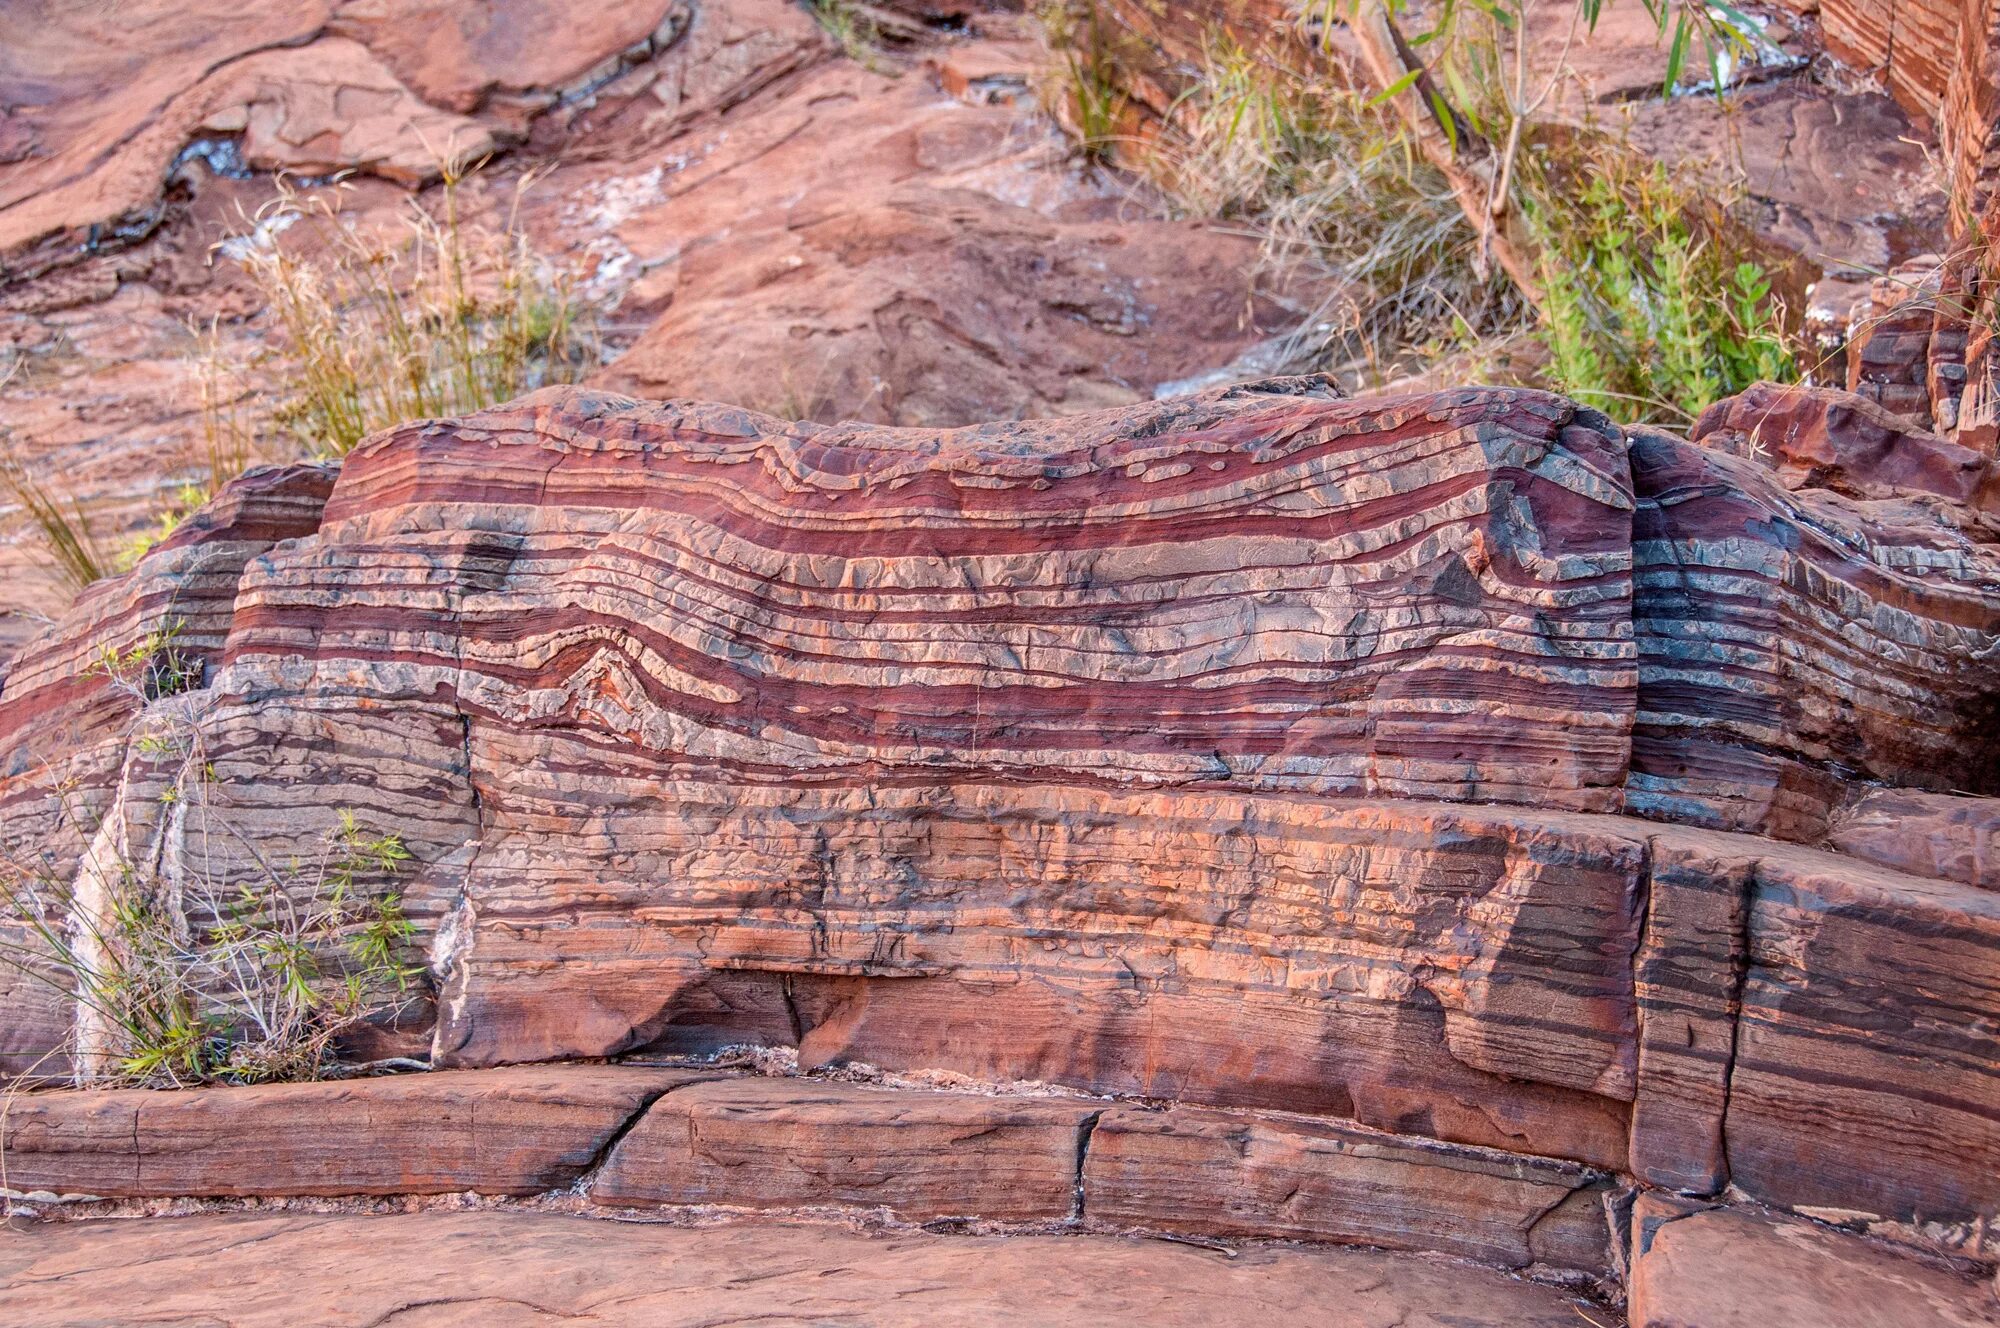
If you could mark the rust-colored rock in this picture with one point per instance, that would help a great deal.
(1696, 1267)
(1687, 977)
(1242, 1174)
(1262, 751)
(514, 1131)
(1925, 834)
(66, 711)
(523, 1270)
(1804, 1035)
(1866, 1059)
(781, 1143)
(107, 105)
(1820, 438)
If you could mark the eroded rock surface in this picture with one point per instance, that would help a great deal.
(524, 1270)
(1734, 1268)
(515, 1131)
(782, 1143)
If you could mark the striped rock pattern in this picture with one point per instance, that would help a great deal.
(1794, 644)
(1259, 751)
(1264, 592)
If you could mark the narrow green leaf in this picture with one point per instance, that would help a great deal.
(1399, 86)
(1676, 57)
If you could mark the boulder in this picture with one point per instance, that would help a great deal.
(1698, 1267)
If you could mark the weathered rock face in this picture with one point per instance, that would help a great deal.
(1732, 1268)
(775, 1143)
(516, 1131)
(1818, 438)
(1267, 753)
(1263, 591)
(105, 103)
(1306, 1180)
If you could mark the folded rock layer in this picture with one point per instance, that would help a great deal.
(1261, 753)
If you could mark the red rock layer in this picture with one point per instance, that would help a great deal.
(515, 1131)
(1819, 438)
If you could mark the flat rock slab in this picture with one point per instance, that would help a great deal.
(511, 1131)
(1238, 1174)
(532, 1270)
(1736, 1268)
(782, 1143)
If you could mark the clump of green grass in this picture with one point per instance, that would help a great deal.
(208, 964)
(1083, 87)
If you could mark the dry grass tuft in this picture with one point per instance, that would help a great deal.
(1328, 179)
(374, 330)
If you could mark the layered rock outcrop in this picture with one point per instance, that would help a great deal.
(1452, 810)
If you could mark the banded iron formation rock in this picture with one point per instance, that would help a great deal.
(1452, 786)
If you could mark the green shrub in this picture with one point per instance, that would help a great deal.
(1646, 312)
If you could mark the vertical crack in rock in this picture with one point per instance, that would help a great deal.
(792, 1010)
(1642, 904)
(1084, 1132)
(1738, 983)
